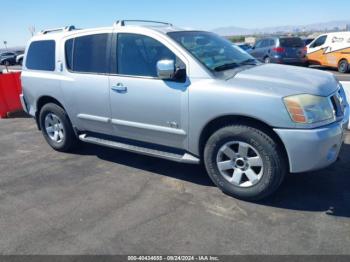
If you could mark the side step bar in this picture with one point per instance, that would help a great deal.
(185, 158)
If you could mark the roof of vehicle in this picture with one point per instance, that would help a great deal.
(278, 37)
(337, 33)
(159, 27)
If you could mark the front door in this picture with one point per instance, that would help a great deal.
(315, 52)
(144, 107)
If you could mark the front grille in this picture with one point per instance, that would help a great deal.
(338, 104)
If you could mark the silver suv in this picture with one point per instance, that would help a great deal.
(187, 96)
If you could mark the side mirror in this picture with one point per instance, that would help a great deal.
(166, 69)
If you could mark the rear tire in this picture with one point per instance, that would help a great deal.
(250, 156)
(343, 66)
(267, 60)
(57, 128)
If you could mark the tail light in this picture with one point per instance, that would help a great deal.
(278, 49)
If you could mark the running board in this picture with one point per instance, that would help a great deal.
(185, 158)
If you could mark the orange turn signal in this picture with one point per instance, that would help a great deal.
(295, 110)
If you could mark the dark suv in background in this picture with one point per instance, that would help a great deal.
(281, 50)
(7, 58)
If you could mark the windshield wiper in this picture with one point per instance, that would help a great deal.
(226, 66)
(250, 61)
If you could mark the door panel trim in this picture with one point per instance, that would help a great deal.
(149, 127)
(94, 118)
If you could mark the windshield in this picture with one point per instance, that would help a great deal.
(213, 51)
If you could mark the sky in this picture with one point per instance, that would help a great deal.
(198, 14)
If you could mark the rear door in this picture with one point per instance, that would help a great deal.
(258, 50)
(315, 51)
(265, 49)
(85, 83)
(270, 44)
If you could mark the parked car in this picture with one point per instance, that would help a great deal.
(19, 52)
(186, 96)
(346, 86)
(19, 59)
(308, 40)
(281, 50)
(331, 50)
(7, 58)
(244, 46)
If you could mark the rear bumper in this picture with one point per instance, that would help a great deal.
(292, 61)
(313, 149)
(23, 103)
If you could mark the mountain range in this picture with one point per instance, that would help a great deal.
(326, 26)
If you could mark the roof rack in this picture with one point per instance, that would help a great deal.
(122, 22)
(64, 29)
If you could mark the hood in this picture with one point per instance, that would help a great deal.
(287, 80)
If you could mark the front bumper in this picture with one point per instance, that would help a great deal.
(313, 149)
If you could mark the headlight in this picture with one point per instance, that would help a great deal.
(309, 109)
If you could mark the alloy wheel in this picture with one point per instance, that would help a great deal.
(54, 128)
(240, 164)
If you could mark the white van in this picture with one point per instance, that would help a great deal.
(331, 50)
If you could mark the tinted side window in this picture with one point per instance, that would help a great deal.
(138, 55)
(259, 44)
(41, 55)
(265, 43)
(89, 54)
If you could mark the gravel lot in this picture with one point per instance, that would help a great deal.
(103, 201)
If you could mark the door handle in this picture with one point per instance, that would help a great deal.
(120, 88)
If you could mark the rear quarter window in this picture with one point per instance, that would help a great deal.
(41, 55)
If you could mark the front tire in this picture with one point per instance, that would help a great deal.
(306, 64)
(56, 128)
(244, 162)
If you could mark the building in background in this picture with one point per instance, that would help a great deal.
(250, 40)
